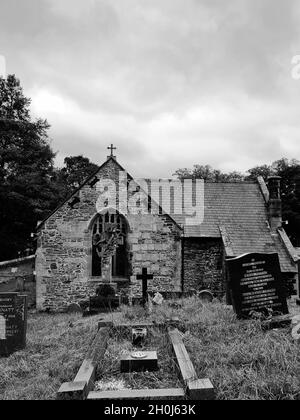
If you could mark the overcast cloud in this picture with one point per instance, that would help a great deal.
(171, 83)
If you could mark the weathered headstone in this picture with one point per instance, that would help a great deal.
(206, 296)
(13, 322)
(74, 308)
(255, 284)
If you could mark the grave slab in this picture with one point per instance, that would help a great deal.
(277, 322)
(129, 363)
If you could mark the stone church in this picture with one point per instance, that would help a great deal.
(93, 237)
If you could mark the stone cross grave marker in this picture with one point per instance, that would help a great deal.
(255, 284)
(13, 322)
(144, 277)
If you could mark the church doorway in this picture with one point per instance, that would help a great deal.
(109, 244)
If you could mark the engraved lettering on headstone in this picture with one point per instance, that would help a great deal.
(2, 328)
(255, 284)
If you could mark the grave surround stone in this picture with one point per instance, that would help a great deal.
(255, 284)
(13, 322)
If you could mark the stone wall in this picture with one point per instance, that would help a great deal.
(63, 258)
(156, 244)
(18, 276)
(203, 265)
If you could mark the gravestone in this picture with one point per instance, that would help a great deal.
(144, 277)
(74, 308)
(13, 322)
(206, 296)
(255, 284)
(105, 299)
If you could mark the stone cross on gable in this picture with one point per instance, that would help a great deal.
(112, 148)
(145, 277)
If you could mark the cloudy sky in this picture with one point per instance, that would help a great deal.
(171, 83)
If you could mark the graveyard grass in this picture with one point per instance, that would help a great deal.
(242, 361)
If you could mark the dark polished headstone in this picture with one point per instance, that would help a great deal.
(255, 284)
(13, 322)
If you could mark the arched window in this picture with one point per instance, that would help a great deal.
(109, 234)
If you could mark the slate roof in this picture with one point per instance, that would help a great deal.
(237, 209)
(240, 210)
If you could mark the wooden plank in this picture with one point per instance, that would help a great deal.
(200, 389)
(145, 324)
(186, 367)
(168, 393)
(72, 391)
(197, 389)
(84, 380)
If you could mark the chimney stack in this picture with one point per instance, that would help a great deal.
(275, 205)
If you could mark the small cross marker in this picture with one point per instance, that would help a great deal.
(144, 277)
(112, 148)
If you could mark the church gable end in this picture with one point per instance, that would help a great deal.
(75, 251)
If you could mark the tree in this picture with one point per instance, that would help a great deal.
(289, 171)
(76, 170)
(265, 171)
(207, 173)
(26, 165)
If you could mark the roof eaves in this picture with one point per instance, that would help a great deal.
(288, 245)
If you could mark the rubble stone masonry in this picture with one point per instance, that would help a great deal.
(203, 265)
(63, 257)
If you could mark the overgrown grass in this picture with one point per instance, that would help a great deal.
(56, 345)
(242, 361)
(111, 378)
